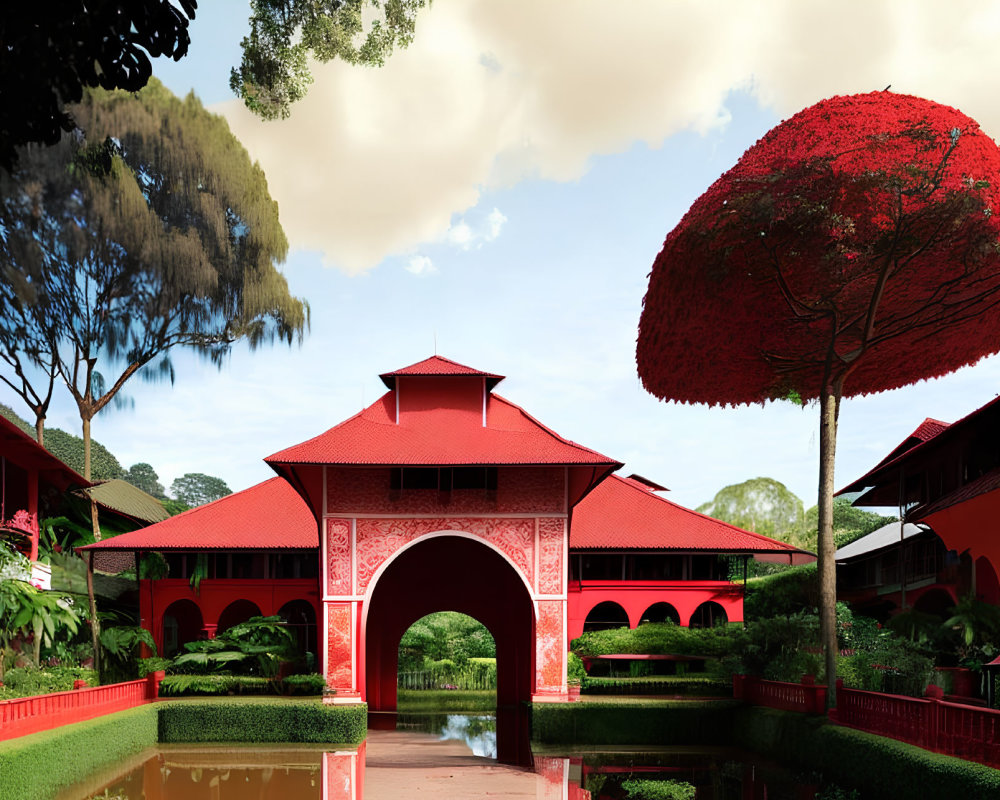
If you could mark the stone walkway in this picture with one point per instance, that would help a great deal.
(403, 764)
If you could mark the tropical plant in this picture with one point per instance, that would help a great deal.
(120, 652)
(25, 610)
(854, 249)
(257, 646)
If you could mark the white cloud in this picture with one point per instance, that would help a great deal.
(420, 265)
(492, 93)
(495, 222)
(460, 235)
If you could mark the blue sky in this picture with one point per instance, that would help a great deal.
(499, 192)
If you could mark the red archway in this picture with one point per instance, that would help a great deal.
(455, 573)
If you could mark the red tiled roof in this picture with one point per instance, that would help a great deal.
(437, 365)
(623, 514)
(268, 516)
(438, 437)
(924, 432)
(24, 451)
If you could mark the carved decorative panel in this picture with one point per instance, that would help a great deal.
(378, 539)
(341, 776)
(551, 537)
(338, 556)
(340, 640)
(550, 647)
(528, 490)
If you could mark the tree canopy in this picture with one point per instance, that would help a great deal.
(196, 488)
(761, 505)
(853, 249)
(143, 476)
(858, 237)
(274, 72)
(53, 51)
(151, 231)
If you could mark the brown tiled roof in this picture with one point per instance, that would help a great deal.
(123, 497)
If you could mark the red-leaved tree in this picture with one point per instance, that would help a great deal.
(854, 249)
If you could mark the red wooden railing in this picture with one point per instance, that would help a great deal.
(954, 729)
(24, 715)
(806, 697)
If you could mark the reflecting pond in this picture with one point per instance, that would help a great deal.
(430, 755)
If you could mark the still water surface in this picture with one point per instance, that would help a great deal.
(433, 756)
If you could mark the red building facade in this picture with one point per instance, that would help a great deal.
(442, 495)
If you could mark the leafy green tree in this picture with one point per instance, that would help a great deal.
(196, 488)
(284, 36)
(25, 609)
(50, 57)
(52, 52)
(71, 450)
(152, 230)
(174, 507)
(444, 636)
(761, 505)
(143, 476)
(849, 524)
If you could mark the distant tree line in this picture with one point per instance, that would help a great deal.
(190, 490)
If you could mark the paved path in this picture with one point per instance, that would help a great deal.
(403, 764)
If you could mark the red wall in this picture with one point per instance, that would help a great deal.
(637, 596)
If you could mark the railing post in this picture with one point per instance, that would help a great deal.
(833, 713)
(932, 727)
(153, 684)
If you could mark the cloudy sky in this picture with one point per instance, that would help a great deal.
(497, 194)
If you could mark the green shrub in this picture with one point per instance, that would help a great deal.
(432, 700)
(685, 685)
(657, 638)
(655, 722)
(27, 681)
(261, 720)
(787, 592)
(575, 671)
(874, 765)
(215, 685)
(658, 790)
(37, 766)
(303, 684)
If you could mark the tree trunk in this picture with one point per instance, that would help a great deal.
(95, 624)
(827, 568)
(40, 429)
(86, 447)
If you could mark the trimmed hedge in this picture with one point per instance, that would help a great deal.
(658, 790)
(646, 722)
(255, 720)
(876, 766)
(46, 762)
(410, 700)
(685, 685)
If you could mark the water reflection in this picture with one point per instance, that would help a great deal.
(439, 756)
(477, 731)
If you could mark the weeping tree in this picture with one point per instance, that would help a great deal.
(152, 230)
(852, 250)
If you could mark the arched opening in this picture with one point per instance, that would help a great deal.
(605, 615)
(455, 573)
(708, 615)
(987, 585)
(182, 623)
(300, 620)
(236, 612)
(661, 612)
